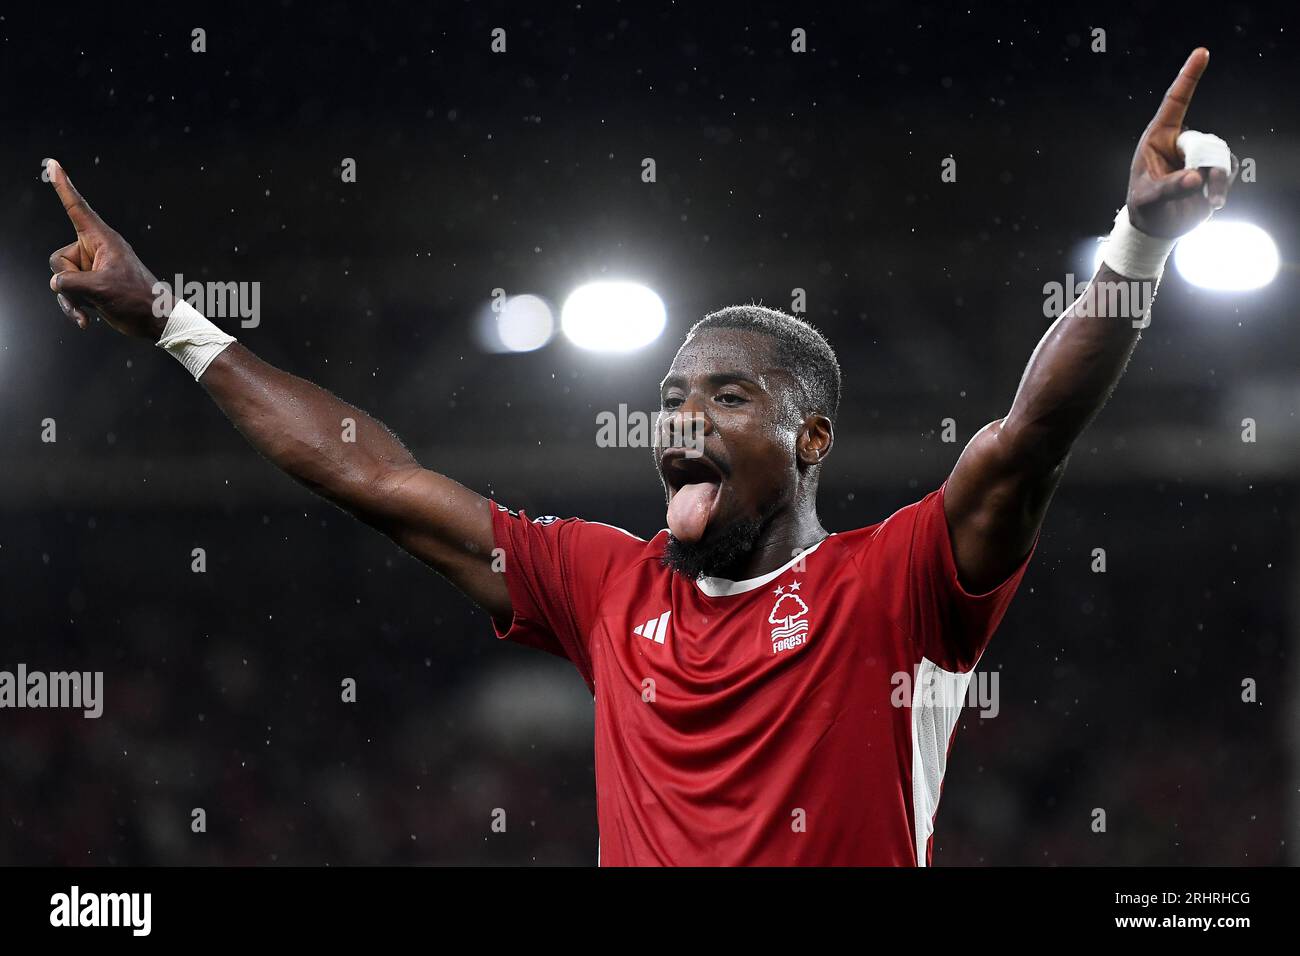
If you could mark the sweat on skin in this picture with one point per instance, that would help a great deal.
(757, 458)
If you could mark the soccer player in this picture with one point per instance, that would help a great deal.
(766, 692)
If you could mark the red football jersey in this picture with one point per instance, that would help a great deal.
(798, 718)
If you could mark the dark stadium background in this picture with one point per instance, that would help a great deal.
(1119, 690)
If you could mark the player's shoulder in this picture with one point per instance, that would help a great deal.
(617, 552)
(895, 529)
(585, 532)
(618, 537)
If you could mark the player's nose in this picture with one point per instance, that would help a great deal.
(687, 426)
(693, 417)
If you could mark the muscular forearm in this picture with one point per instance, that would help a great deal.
(1075, 367)
(333, 448)
(330, 446)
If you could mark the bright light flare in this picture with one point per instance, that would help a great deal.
(1227, 256)
(521, 323)
(525, 323)
(613, 316)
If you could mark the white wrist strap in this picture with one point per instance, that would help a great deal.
(192, 339)
(1134, 254)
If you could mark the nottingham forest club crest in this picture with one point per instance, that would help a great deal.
(790, 616)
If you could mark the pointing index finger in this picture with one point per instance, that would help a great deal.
(1179, 95)
(83, 217)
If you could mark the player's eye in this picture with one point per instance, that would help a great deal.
(731, 399)
(671, 401)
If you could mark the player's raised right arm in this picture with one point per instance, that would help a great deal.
(296, 424)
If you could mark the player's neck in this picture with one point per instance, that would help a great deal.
(788, 534)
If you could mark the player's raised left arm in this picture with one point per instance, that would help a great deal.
(999, 490)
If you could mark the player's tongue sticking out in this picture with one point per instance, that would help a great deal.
(690, 508)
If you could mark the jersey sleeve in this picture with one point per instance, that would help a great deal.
(556, 570)
(947, 624)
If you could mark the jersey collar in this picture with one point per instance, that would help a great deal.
(721, 587)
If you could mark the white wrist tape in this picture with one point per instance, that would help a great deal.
(192, 339)
(1134, 254)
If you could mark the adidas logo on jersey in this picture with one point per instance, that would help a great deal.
(655, 629)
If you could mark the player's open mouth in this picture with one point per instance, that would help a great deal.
(694, 493)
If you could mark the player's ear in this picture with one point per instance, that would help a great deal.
(815, 440)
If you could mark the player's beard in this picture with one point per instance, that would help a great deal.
(717, 554)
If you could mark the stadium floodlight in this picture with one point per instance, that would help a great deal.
(613, 316)
(525, 323)
(1227, 256)
(1223, 256)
